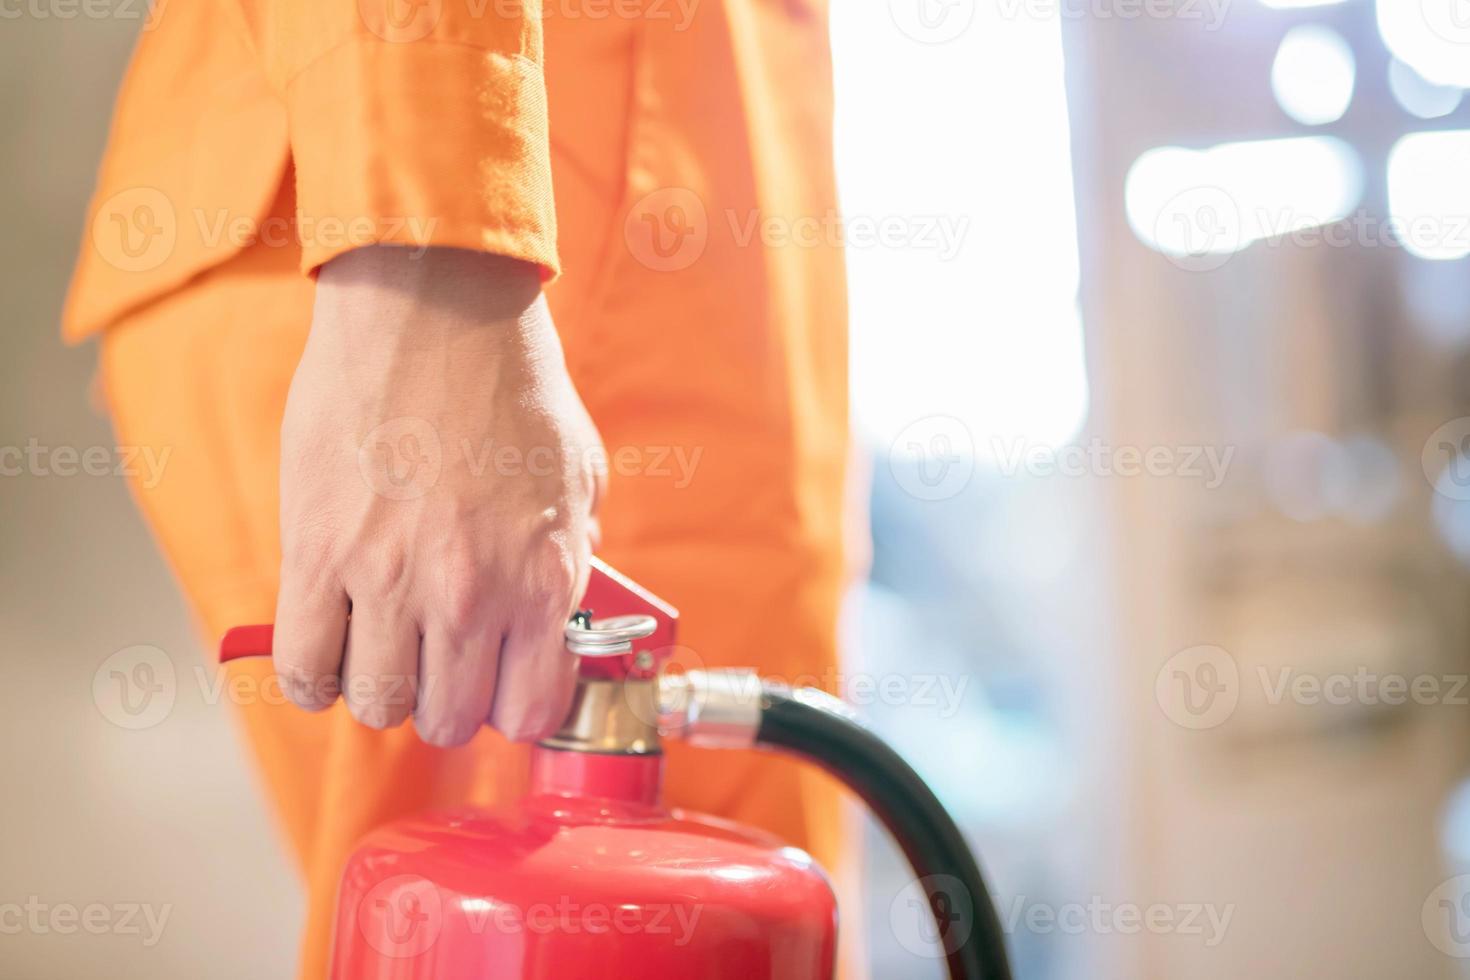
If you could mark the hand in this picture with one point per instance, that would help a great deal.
(439, 478)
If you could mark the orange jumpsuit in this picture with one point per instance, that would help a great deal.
(688, 145)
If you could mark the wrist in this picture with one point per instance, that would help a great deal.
(385, 295)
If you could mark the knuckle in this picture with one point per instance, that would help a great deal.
(444, 733)
(546, 723)
(379, 701)
(306, 688)
(392, 568)
(462, 598)
(529, 723)
(533, 727)
(376, 714)
(550, 585)
(380, 575)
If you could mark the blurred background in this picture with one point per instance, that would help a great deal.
(1161, 314)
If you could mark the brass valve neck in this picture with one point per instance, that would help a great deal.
(612, 717)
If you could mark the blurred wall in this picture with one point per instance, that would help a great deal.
(123, 852)
(1313, 819)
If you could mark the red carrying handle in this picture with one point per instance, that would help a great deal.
(609, 593)
(246, 641)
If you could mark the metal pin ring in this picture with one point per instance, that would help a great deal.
(609, 637)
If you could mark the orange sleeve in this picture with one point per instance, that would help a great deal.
(413, 122)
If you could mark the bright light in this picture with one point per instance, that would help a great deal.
(1313, 74)
(967, 143)
(1431, 36)
(1429, 193)
(1217, 201)
(1418, 96)
(1294, 4)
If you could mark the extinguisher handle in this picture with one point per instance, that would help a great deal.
(246, 641)
(627, 614)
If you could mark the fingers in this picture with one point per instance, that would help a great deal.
(310, 634)
(537, 676)
(456, 686)
(380, 668)
(468, 668)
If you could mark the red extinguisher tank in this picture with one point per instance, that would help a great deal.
(587, 877)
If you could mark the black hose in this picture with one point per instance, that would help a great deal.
(811, 724)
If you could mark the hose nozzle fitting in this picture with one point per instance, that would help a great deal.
(711, 708)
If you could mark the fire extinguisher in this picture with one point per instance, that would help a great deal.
(589, 876)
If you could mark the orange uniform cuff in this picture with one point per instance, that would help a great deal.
(421, 143)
